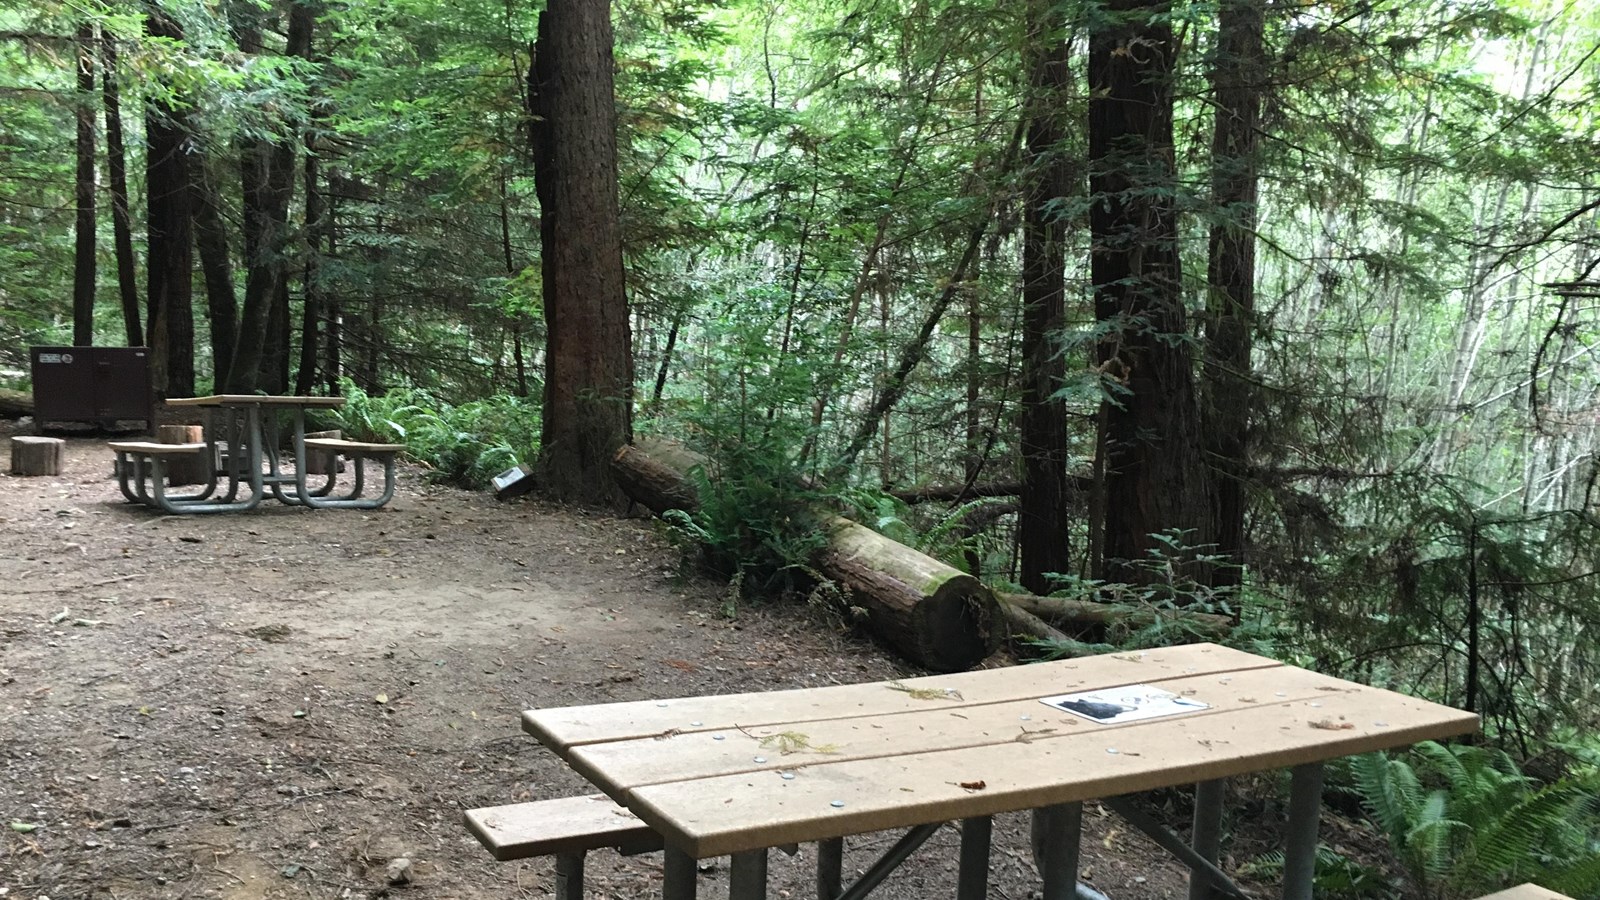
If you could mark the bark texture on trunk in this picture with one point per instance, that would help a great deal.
(1042, 523)
(84, 268)
(588, 390)
(1154, 474)
(1229, 391)
(169, 293)
(117, 169)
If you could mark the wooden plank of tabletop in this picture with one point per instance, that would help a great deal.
(732, 813)
(565, 727)
(617, 767)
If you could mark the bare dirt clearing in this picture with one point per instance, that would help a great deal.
(284, 702)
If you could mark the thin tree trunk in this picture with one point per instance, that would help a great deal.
(588, 391)
(1155, 479)
(1042, 523)
(216, 265)
(83, 257)
(1230, 315)
(912, 354)
(117, 168)
(317, 226)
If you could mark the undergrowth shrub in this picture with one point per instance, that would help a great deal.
(464, 445)
(1466, 821)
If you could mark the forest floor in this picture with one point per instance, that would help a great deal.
(283, 703)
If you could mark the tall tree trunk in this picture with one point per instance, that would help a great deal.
(117, 168)
(170, 267)
(1236, 77)
(588, 391)
(318, 224)
(1154, 476)
(216, 266)
(83, 257)
(260, 357)
(1042, 519)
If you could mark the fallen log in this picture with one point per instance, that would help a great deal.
(651, 483)
(1085, 614)
(15, 404)
(933, 614)
(1025, 624)
(953, 493)
(936, 615)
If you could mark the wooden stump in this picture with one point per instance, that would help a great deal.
(323, 462)
(36, 455)
(185, 469)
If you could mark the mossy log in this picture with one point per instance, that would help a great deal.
(937, 616)
(1085, 613)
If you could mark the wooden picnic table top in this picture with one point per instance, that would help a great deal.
(724, 774)
(257, 400)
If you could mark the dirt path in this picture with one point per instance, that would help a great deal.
(282, 703)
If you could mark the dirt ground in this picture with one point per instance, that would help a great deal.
(283, 703)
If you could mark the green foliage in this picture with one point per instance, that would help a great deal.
(1336, 876)
(1466, 821)
(465, 445)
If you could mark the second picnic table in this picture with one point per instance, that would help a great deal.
(738, 774)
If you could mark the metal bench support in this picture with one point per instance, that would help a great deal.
(1059, 829)
(973, 881)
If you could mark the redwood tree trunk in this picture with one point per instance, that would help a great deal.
(83, 259)
(1230, 302)
(588, 398)
(170, 313)
(216, 265)
(117, 168)
(1042, 519)
(1154, 476)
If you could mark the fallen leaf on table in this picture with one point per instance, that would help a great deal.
(973, 785)
(926, 693)
(1330, 725)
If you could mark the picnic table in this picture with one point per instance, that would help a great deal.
(739, 774)
(250, 426)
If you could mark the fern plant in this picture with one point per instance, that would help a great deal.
(1465, 821)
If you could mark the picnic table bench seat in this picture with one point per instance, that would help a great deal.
(358, 451)
(566, 828)
(142, 472)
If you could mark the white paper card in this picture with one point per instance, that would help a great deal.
(1129, 703)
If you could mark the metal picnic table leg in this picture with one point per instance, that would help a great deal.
(569, 876)
(678, 875)
(1206, 837)
(1305, 811)
(973, 881)
(1058, 830)
(830, 868)
(747, 876)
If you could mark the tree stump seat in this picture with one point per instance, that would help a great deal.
(32, 455)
